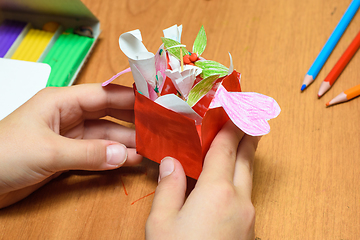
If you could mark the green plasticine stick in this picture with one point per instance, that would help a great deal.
(60, 58)
(53, 58)
(65, 57)
(55, 52)
(61, 54)
(75, 62)
(78, 53)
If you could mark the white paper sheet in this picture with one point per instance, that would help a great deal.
(19, 81)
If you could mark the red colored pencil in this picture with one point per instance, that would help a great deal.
(340, 65)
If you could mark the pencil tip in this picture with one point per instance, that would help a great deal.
(324, 87)
(328, 104)
(303, 87)
(308, 79)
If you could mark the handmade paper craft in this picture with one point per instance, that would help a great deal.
(182, 100)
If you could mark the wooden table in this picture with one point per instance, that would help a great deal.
(307, 170)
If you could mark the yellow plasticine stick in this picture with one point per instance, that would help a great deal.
(25, 43)
(29, 42)
(34, 36)
(41, 45)
(33, 54)
(42, 40)
(33, 45)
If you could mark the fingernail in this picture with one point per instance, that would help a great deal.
(167, 166)
(116, 154)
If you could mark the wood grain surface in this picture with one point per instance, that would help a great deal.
(307, 170)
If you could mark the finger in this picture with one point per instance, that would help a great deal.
(103, 129)
(82, 100)
(124, 115)
(244, 165)
(92, 97)
(133, 158)
(219, 162)
(69, 154)
(170, 193)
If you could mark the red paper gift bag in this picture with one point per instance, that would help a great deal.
(161, 132)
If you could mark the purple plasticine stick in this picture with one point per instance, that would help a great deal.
(9, 31)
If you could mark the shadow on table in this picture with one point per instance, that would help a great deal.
(72, 184)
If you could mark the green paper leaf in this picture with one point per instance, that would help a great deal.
(175, 51)
(201, 89)
(211, 68)
(200, 42)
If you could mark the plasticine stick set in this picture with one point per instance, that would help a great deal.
(58, 33)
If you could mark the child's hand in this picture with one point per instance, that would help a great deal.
(220, 205)
(59, 129)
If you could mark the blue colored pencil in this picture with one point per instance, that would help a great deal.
(330, 44)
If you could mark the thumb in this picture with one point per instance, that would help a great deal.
(170, 193)
(71, 154)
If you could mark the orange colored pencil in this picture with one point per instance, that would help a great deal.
(345, 96)
(340, 65)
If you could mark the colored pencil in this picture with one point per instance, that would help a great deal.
(340, 65)
(330, 44)
(345, 96)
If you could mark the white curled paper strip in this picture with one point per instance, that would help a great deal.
(173, 32)
(142, 62)
(231, 67)
(174, 103)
